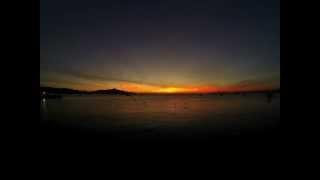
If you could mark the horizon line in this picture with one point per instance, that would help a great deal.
(212, 92)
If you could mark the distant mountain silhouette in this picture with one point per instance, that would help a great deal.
(51, 90)
(112, 91)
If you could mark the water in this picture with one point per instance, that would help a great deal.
(155, 115)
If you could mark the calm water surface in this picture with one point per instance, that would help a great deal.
(172, 114)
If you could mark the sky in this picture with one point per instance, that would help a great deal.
(160, 46)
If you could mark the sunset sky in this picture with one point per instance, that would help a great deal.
(160, 46)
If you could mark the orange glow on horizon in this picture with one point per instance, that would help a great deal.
(174, 90)
(141, 88)
(167, 89)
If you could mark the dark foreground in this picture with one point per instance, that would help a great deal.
(161, 118)
(51, 131)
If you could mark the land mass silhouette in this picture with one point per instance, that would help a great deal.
(114, 91)
(51, 90)
(56, 93)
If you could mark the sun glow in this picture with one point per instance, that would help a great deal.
(176, 90)
(169, 90)
(144, 88)
(156, 89)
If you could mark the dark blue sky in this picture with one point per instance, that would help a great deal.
(136, 45)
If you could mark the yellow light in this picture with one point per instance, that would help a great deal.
(170, 90)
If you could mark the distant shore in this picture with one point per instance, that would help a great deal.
(61, 91)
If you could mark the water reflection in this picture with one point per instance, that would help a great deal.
(269, 97)
(183, 111)
(44, 104)
(43, 108)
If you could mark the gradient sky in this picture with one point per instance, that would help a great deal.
(160, 46)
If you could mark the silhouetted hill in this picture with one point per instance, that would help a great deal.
(112, 91)
(50, 90)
